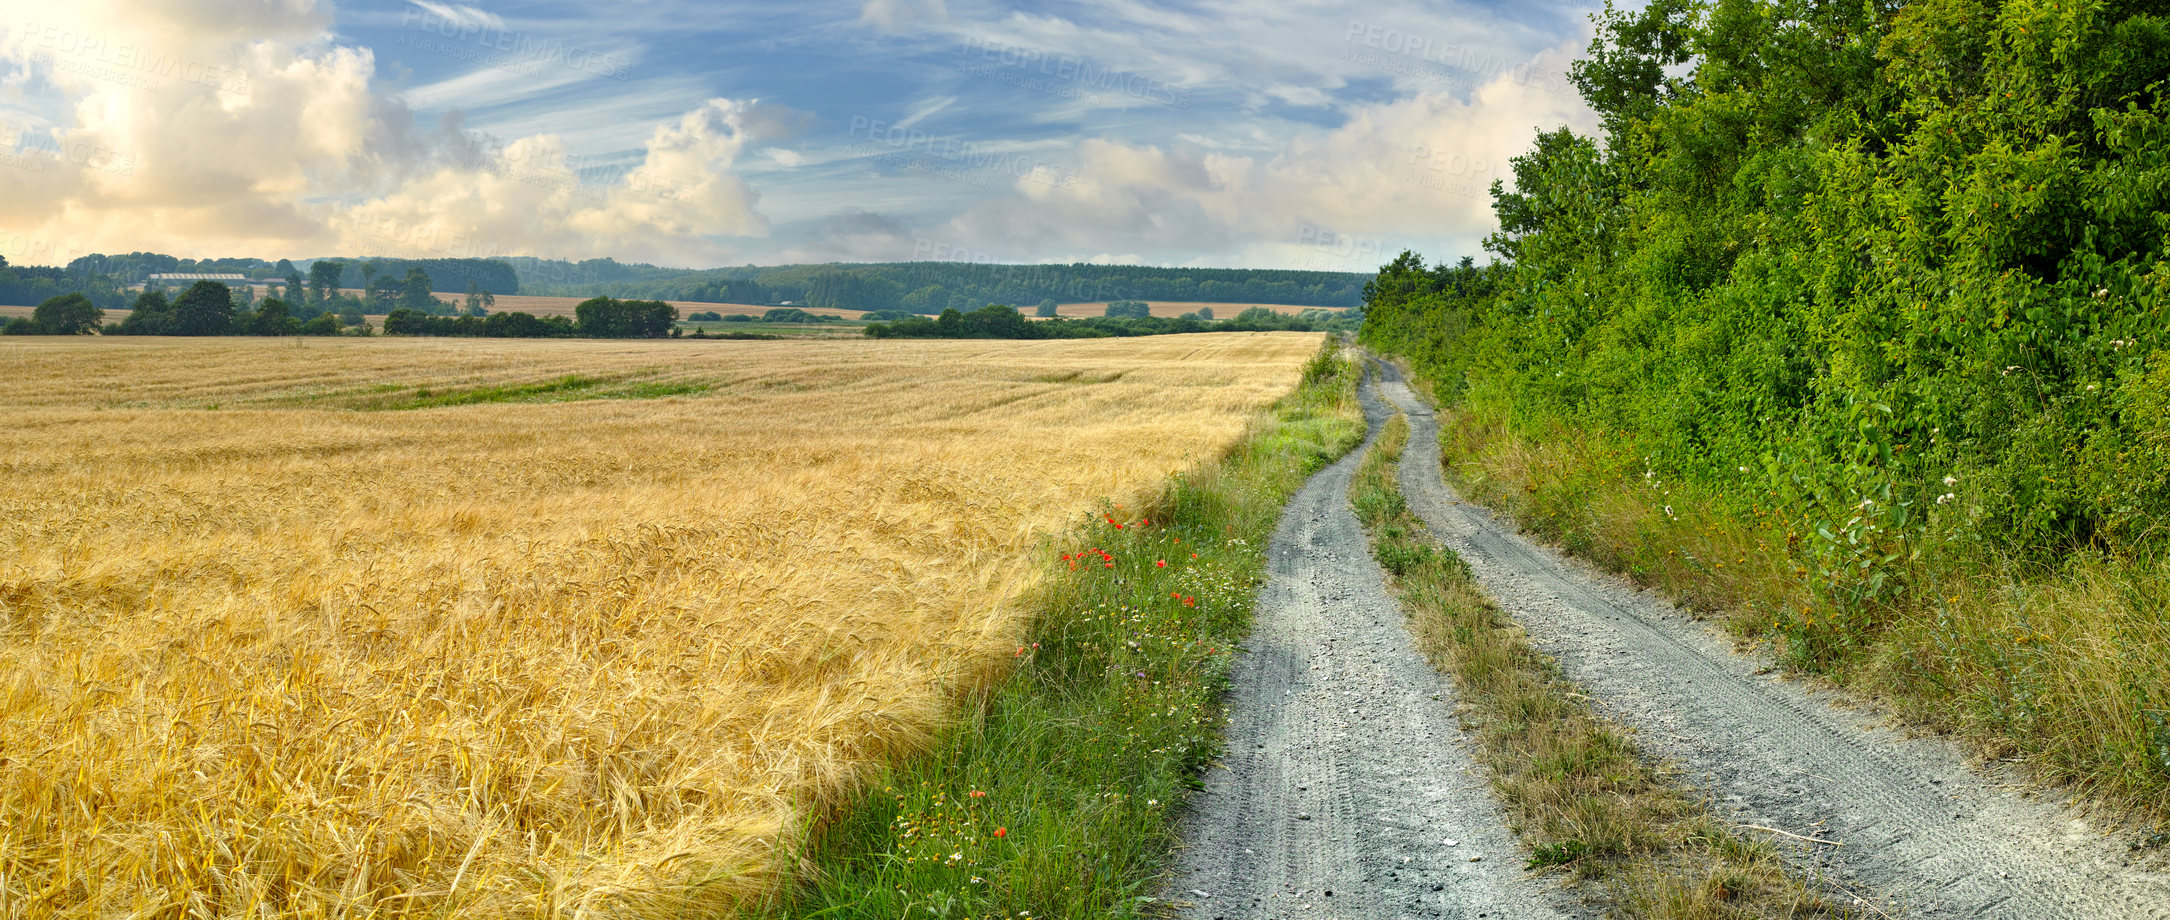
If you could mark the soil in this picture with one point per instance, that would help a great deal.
(1347, 789)
(1914, 830)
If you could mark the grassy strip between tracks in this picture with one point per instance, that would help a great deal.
(1056, 798)
(1580, 795)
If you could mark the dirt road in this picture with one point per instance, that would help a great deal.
(1923, 835)
(1347, 790)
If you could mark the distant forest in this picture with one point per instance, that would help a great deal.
(913, 287)
(102, 278)
(931, 287)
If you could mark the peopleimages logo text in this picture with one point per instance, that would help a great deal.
(98, 56)
(517, 45)
(1476, 60)
(1067, 68)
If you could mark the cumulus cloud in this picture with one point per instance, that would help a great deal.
(530, 196)
(1414, 172)
(238, 126)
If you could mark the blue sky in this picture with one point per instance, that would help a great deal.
(1296, 134)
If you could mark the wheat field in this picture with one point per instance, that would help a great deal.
(345, 628)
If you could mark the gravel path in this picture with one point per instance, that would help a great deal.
(1347, 790)
(1923, 836)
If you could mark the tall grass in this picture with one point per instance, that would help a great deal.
(1578, 792)
(262, 653)
(2065, 668)
(1056, 799)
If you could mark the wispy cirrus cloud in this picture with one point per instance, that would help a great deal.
(1210, 132)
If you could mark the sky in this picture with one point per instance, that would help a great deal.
(1233, 133)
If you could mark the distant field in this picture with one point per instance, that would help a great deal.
(551, 306)
(563, 306)
(440, 627)
(1176, 308)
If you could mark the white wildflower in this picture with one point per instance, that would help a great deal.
(1951, 480)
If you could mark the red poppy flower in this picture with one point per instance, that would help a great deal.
(1066, 557)
(1002, 832)
(979, 793)
(1190, 602)
(1162, 564)
(1117, 526)
(1110, 565)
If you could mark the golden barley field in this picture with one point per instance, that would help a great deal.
(371, 627)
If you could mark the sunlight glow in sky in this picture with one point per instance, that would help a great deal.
(1218, 132)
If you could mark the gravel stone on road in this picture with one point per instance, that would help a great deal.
(1922, 834)
(1346, 789)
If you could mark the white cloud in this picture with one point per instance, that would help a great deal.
(891, 14)
(1410, 173)
(675, 206)
(929, 108)
(461, 15)
(237, 126)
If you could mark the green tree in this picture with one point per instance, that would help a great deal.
(995, 321)
(273, 317)
(609, 318)
(415, 293)
(383, 295)
(324, 279)
(1047, 308)
(206, 308)
(479, 301)
(152, 314)
(68, 314)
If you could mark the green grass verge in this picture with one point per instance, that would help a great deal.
(2065, 670)
(1579, 794)
(569, 388)
(1056, 796)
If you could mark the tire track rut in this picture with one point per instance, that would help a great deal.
(1346, 790)
(1922, 834)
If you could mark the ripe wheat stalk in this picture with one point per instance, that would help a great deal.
(263, 651)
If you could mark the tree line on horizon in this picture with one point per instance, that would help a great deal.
(211, 308)
(924, 288)
(1001, 321)
(928, 288)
